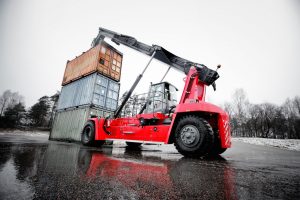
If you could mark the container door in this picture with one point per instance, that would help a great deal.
(100, 92)
(112, 95)
(104, 60)
(116, 66)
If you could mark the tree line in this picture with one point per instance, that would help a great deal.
(264, 120)
(13, 113)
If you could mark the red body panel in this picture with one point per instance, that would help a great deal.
(129, 129)
(191, 102)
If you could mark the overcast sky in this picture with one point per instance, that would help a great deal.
(256, 42)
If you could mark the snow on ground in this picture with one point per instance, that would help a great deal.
(26, 133)
(290, 144)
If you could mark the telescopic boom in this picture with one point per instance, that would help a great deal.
(161, 54)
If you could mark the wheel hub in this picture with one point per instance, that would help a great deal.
(189, 135)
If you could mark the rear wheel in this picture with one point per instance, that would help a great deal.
(133, 144)
(88, 135)
(193, 136)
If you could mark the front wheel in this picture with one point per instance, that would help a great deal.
(193, 136)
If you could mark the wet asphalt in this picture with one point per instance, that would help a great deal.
(35, 168)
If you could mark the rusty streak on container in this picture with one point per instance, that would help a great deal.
(103, 58)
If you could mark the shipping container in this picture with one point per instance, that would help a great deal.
(68, 124)
(94, 89)
(102, 58)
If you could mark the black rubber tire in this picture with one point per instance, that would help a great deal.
(88, 134)
(133, 144)
(217, 149)
(203, 132)
(221, 150)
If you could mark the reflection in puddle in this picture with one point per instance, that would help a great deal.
(158, 179)
(148, 179)
(60, 170)
(18, 166)
(10, 185)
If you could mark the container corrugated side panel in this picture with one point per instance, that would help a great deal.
(68, 125)
(103, 58)
(65, 123)
(77, 93)
(66, 96)
(82, 65)
(84, 90)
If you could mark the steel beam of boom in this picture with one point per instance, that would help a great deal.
(161, 54)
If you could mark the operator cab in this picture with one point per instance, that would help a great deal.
(161, 98)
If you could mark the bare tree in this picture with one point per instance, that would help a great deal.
(268, 116)
(53, 104)
(254, 119)
(290, 110)
(9, 99)
(228, 107)
(263, 120)
(240, 103)
(296, 102)
(279, 124)
(290, 116)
